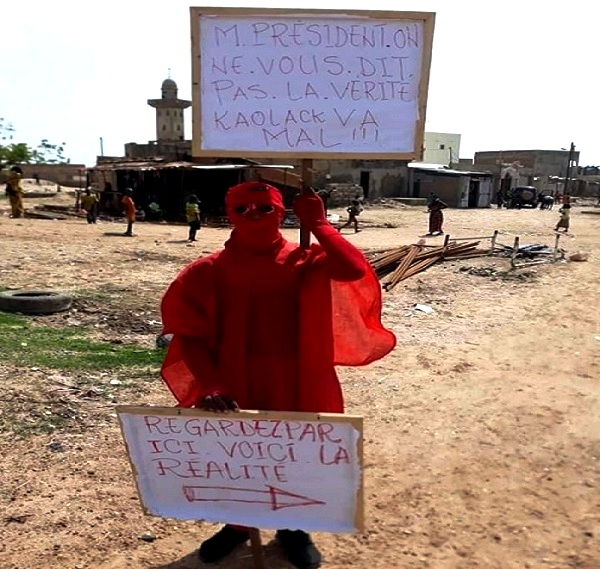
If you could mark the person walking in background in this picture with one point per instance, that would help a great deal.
(431, 197)
(565, 218)
(499, 199)
(89, 203)
(436, 216)
(324, 194)
(192, 215)
(129, 209)
(354, 210)
(14, 189)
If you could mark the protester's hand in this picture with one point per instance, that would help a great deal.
(309, 209)
(219, 403)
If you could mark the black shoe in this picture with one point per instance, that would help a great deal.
(221, 544)
(299, 549)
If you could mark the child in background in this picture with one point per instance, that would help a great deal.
(129, 208)
(353, 212)
(192, 214)
(565, 218)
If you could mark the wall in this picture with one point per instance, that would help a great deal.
(343, 194)
(553, 163)
(454, 190)
(441, 148)
(447, 188)
(72, 175)
(176, 150)
(494, 159)
(486, 192)
(387, 178)
(169, 124)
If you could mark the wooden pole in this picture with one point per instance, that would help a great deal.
(445, 246)
(494, 237)
(307, 180)
(514, 252)
(257, 551)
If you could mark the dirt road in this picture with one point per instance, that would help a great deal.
(482, 427)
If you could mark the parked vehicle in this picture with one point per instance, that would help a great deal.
(524, 196)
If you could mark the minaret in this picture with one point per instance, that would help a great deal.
(169, 112)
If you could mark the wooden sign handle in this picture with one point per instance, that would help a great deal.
(307, 177)
(257, 551)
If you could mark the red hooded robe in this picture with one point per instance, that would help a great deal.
(267, 329)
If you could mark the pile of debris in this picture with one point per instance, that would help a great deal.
(52, 212)
(495, 273)
(525, 251)
(396, 265)
(527, 255)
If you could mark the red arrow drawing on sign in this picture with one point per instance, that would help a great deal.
(276, 496)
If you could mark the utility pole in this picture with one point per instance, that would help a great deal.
(500, 165)
(568, 175)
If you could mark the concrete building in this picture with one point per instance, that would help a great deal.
(458, 188)
(170, 143)
(441, 148)
(377, 178)
(169, 113)
(544, 169)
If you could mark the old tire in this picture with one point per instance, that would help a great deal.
(34, 301)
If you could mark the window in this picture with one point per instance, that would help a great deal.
(442, 146)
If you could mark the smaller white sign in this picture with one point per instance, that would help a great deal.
(259, 469)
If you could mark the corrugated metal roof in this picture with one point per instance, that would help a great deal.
(153, 165)
(445, 170)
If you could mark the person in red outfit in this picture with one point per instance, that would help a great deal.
(262, 323)
(129, 208)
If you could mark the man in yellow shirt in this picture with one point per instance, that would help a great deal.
(89, 203)
(192, 215)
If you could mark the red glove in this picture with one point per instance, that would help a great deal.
(309, 210)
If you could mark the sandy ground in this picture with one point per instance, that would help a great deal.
(482, 428)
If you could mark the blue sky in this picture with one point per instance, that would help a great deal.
(519, 77)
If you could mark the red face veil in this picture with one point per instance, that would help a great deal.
(256, 211)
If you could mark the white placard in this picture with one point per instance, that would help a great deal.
(265, 470)
(309, 84)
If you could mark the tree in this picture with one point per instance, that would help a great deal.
(22, 153)
(47, 153)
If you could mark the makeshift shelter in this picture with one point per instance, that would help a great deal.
(170, 183)
(457, 188)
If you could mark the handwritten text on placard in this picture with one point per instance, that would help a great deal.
(260, 471)
(292, 84)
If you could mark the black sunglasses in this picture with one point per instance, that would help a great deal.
(263, 208)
